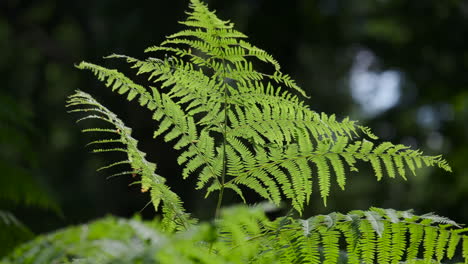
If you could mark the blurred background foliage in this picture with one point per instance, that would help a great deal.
(398, 66)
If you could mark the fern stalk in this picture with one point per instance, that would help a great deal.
(225, 124)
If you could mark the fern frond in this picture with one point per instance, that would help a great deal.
(281, 123)
(282, 164)
(245, 235)
(209, 87)
(380, 235)
(174, 124)
(172, 206)
(118, 82)
(109, 240)
(238, 127)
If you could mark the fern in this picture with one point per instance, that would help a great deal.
(245, 235)
(272, 143)
(237, 127)
(108, 240)
(381, 237)
(173, 212)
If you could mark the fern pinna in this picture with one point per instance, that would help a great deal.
(237, 127)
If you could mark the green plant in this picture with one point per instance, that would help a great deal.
(238, 128)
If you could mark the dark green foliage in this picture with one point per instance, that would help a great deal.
(18, 161)
(238, 127)
(19, 184)
(13, 232)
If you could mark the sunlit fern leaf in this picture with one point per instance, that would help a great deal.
(430, 240)
(209, 87)
(452, 245)
(331, 249)
(368, 242)
(351, 233)
(416, 236)
(442, 241)
(171, 204)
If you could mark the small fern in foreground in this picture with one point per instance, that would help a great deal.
(245, 235)
(239, 128)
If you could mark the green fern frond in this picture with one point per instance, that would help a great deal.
(245, 235)
(209, 88)
(172, 208)
(380, 235)
(173, 122)
(276, 129)
(108, 240)
(237, 127)
(283, 164)
(119, 83)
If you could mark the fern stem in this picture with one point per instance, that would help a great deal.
(220, 200)
(225, 123)
(223, 174)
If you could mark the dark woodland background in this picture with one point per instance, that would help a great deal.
(400, 67)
